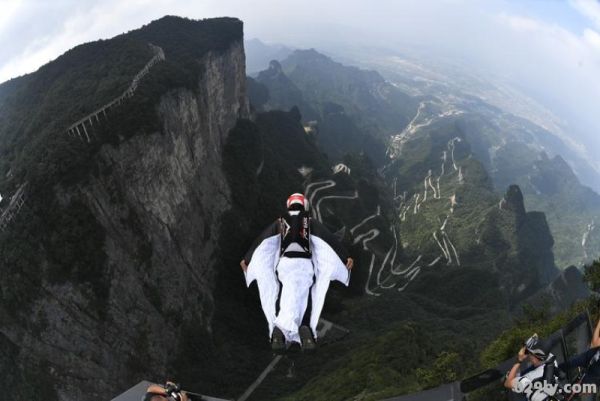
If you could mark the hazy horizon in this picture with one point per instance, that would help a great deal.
(548, 50)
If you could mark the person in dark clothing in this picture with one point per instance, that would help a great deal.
(588, 361)
(304, 256)
(542, 371)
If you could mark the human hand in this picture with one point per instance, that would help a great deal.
(174, 392)
(349, 263)
(522, 355)
(160, 393)
(244, 265)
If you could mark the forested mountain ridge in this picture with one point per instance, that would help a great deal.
(512, 149)
(438, 186)
(439, 242)
(110, 228)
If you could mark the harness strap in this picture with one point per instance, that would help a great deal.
(297, 254)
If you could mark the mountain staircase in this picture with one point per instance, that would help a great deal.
(80, 128)
(16, 203)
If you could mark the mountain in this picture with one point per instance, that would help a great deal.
(115, 225)
(425, 74)
(513, 137)
(572, 208)
(439, 246)
(363, 94)
(515, 151)
(283, 94)
(356, 109)
(435, 170)
(122, 263)
(130, 201)
(259, 54)
(566, 289)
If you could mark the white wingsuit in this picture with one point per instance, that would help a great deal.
(268, 268)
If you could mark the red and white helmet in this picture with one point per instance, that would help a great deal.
(297, 198)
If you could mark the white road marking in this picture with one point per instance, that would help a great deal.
(586, 235)
(376, 280)
(435, 195)
(440, 245)
(451, 148)
(318, 208)
(377, 213)
(416, 209)
(396, 272)
(453, 249)
(446, 248)
(372, 233)
(379, 282)
(323, 185)
(260, 378)
(367, 289)
(260, 168)
(434, 261)
(411, 276)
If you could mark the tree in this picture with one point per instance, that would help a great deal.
(592, 275)
(444, 370)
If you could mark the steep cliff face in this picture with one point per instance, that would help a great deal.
(563, 292)
(156, 200)
(534, 243)
(171, 185)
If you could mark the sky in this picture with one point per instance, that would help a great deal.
(550, 49)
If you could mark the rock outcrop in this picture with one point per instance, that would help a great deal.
(565, 290)
(513, 200)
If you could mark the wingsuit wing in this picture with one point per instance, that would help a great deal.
(263, 258)
(327, 256)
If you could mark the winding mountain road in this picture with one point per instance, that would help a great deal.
(383, 271)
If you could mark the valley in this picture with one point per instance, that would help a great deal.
(122, 262)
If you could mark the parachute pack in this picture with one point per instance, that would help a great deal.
(295, 228)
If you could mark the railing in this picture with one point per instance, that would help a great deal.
(80, 128)
(573, 338)
(16, 203)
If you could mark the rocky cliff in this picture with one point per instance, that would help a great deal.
(154, 201)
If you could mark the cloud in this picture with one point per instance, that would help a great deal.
(65, 25)
(592, 38)
(551, 41)
(9, 9)
(562, 68)
(589, 9)
(520, 23)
